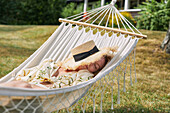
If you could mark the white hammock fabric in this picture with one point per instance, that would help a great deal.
(58, 47)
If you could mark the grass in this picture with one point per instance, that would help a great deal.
(18, 42)
(150, 94)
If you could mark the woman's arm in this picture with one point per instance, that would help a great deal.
(20, 84)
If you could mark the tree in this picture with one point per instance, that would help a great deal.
(154, 15)
(166, 42)
(30, 11)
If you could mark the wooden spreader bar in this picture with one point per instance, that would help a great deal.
(103, 28)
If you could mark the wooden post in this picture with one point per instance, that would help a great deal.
(85, 5)
(126, 6)
(102, 2)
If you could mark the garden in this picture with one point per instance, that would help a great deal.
(26, 27)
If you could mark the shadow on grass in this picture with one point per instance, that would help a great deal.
(128, 109)
(11, 56)
(13, 28)
(123, 109)
(12, 50)
(11, 39)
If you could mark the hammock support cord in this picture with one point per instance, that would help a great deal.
(57, 92)
(58, 47)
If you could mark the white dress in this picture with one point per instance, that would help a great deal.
(44, 71)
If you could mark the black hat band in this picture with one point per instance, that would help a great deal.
(84, 55)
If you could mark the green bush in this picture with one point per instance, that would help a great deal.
(71, 9)
(154, 15)
(127, 15)
(30, 11)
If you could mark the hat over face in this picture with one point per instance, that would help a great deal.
(83, 51)
(86, 54)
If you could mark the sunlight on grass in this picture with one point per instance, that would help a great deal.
(18, 42)
(150, 94)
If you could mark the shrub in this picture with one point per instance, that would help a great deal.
(30, 11)
(74, 8)
(71, 9)
(127, 15)
(154, 15)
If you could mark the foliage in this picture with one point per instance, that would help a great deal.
(72, 9)
(127, 15)
(30, 11)
(97, 4)
(154, 15)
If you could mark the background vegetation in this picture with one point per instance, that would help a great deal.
(150, 94)
(127, 15)
(73, 8)
(154, 15)
(30, 12)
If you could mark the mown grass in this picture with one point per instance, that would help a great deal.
(18, 42)
(150, 94)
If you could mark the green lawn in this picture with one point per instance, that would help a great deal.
(150, 94)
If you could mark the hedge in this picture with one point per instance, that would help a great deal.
(36, 12)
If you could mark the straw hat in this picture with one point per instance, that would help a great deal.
(86, 54)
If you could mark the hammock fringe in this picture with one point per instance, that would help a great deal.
(86, 96)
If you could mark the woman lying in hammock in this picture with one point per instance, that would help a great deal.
(83, 64)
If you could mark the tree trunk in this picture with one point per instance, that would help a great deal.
(166, 42)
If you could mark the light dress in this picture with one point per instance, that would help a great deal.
(44, 71)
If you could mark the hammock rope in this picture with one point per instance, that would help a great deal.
(107, 27)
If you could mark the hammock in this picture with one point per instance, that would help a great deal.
(112, 29)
